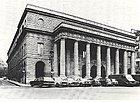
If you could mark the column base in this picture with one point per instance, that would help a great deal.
(62, 76)
(97, 77)
(88, 77)
(55, 75)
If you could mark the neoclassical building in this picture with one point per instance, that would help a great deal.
(48, 41)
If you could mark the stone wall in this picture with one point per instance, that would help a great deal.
(32, 53)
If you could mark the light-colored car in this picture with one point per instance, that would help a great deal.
(106, 82)
(84, 81)
(96, 82)
(72, 82)
(43, 81)
(61, 81)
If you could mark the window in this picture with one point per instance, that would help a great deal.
(24, 49)
(40, 22)
(40, 48)
(84, 54)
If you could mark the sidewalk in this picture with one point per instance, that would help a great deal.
(19, 84)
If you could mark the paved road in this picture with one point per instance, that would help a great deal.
(94, 93)
(5, 83)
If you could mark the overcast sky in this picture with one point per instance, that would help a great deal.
(124, 14)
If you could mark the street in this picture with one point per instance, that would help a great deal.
(91, 93)
(5, 83)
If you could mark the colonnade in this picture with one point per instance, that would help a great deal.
(88, 66)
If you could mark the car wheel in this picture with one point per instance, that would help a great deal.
(32, 85)
(69, 85)
(81, 85)
(57, 85)
(40, 85)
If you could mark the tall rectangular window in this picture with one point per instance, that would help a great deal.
(40, 48)
(84, 54)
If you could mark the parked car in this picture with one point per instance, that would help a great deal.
(61, 81)
(43, 81)
(96, 82)
(106, 82)
(84, 81)
(125, 80)
(114, 82)
(72, 82)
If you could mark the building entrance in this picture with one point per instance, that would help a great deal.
(83, 71)
(39, 69)
(93, 71)
(103, 72)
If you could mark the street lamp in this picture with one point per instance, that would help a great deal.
(24, 75)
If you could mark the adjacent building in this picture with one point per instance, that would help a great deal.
(49, 42)
(137, 50)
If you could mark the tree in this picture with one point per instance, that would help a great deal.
(3, 68)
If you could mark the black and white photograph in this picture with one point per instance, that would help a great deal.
(70, 50)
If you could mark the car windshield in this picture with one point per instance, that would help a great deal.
(78, 79)
(70, 79)
(113, 79)
(129, 77)
(108, 79)
(64, 78)
(48, 78)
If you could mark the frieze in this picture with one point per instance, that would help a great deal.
(93, 40)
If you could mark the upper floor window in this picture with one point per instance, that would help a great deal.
(40, 22)
(24, 49)
(40, 47)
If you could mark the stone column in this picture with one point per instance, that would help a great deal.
(98, 61)
(132, 63)
(108, 62)
(55, 60)
(76, 64)
(125, 62)
(117, 62)
(62, 57)
(87, 60)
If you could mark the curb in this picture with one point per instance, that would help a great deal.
(18, 84)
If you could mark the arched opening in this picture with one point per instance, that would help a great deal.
(83, 71)
(39, 69)
(103, 72)
(93, 71)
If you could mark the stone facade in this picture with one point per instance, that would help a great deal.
(49, 41)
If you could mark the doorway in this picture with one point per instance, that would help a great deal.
(39, 69)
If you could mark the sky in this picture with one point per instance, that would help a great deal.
(123, 14)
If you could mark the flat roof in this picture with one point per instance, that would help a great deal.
(34, 7)
(111, 35)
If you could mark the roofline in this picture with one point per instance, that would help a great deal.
(53, 12)
(71, 26)
(64, 15)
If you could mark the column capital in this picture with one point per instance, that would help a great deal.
(89, 42)
(76, 40)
